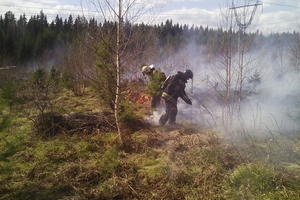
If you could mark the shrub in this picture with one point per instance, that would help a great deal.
(105, 78)
(55, 77)
(109, 162)
(49, 124)
(5, 122)
(41, 90)
(8, 93)
(258, 181)
(127, 112)
(79, 57)
(130, 116)
(74, 81)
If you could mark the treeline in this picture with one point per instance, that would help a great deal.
(23, 39)
(28, 38)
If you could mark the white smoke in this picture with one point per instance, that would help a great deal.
(154, 118)
(272, 106)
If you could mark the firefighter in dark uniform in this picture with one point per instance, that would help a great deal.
(173, 88)
(156, 79)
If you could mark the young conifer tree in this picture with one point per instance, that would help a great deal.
(116, 11)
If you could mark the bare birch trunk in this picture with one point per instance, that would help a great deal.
(117, 99)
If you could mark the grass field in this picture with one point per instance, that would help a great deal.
(164, 162)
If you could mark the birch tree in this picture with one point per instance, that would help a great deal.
(117, 11)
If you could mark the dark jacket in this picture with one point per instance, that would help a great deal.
(175, 87)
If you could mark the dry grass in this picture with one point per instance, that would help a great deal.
(181, 163)
(51, 124)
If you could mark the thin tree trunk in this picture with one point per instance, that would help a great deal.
(117, 99)
(242, 52)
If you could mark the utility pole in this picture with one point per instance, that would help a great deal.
(244, 23)
(243, 18)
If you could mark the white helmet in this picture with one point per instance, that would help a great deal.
(147, 69)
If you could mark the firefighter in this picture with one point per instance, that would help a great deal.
(156, 79)
(173, 88)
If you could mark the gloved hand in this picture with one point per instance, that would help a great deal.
(189, 102)
(186, 99)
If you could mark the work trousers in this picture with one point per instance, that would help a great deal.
(155, 101)
(170, 114)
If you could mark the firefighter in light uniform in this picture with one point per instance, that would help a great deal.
(173, 88)
(156, 79)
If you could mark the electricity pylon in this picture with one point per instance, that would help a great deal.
(244, 15)
(244, 19)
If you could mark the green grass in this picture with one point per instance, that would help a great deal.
(67, 102)
(259, 181)
(94, 166)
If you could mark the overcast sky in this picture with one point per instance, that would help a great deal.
(273, 16)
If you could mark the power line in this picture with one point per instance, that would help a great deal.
(64, 15)
(245, 24)
(273, 23)
(237, 7)
(54, 14)
(77, 12)
(282, 5)
(50, 14)
(56, 9)
(71, 10)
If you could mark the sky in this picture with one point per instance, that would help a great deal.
(273, 16)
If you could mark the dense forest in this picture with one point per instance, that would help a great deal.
(26, 39)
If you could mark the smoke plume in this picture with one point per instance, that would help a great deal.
(271, 102)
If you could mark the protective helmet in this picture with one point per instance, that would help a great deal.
(188, 74)
(147, 69)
